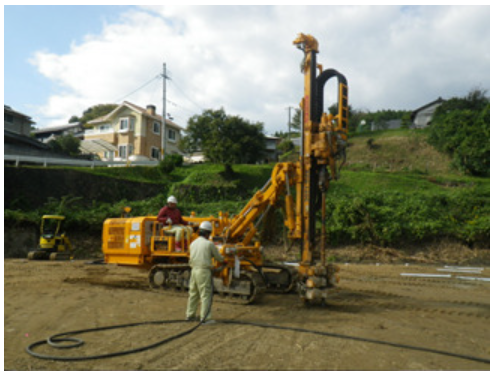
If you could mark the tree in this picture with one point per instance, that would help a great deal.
(296, 121)
(285, 146)
(66, 145)
(461, 128)
(224, 139)
(93, 112)
(74, 119)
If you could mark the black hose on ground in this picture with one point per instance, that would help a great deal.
(55, 340)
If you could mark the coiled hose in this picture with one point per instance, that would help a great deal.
(57, 341)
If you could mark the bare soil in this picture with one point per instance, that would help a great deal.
(374, 301)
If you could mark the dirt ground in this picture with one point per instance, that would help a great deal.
(374, 301)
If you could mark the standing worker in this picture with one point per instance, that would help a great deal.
(201, 252)
(171, 215)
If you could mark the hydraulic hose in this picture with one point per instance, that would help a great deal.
(56, 340)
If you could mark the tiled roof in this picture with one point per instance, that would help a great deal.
(13, 137)
(8, 109)
(56, 128)
(437, 101)
(138, 109)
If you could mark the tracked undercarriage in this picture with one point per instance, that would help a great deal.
(45, 255)
(248, 287)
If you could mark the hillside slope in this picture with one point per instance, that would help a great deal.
(394, 190)
(397, 151)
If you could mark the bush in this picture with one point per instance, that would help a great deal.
(285, 146)
(461, 128)
(395, 218)
(170, 162)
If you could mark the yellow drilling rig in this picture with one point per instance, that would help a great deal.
(146, 243)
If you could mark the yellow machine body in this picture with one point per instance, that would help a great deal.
(53, 243)
(146, 243)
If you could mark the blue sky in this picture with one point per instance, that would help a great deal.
(29, 28)
(60, 60)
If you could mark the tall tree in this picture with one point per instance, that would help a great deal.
(461, 128)
(224, 138)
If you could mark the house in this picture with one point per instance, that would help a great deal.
(16, 139)
(16, 122)
(271, 151)
(130, 130)
(195, 158)
(48, 133)
(422, 116)
(15, 144)
(387, 125)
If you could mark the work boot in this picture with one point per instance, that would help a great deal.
(193, 318)
(209, 322)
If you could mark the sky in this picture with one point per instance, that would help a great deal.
(61, 60)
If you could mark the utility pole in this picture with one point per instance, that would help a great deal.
(164, 113)
(288, 123)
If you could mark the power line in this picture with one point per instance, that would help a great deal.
(187, 97)
(159, 76)
(181, 107)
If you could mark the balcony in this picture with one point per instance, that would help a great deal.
(99, 132)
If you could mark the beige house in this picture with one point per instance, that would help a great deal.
(130, 130)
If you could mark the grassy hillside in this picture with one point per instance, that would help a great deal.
(397, 151)
(395, 189)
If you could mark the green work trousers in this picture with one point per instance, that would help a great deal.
(199, 288)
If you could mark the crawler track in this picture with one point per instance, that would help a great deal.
(248, 288)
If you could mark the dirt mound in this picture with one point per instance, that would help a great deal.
(437, 253)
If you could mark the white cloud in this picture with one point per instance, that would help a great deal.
(242, 58)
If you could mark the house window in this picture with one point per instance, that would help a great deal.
(109, 155)
(155, 153)
(171, 135)
(8, 117)
(156, 127)
(126, 150)
(104, 128)
(133, 122)
(123, 151)
(124, 124)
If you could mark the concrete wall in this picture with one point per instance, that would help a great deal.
(29, 188)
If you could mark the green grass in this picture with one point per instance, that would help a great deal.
(399, 190)
(144, 174)
(368, 181)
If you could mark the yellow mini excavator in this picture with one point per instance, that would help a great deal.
(301, 187)
(54, 243)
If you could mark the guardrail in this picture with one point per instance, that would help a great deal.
(45, 161)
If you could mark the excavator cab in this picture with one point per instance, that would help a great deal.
(53, 243)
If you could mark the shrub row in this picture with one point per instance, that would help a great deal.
(395, 218)
(382, 218)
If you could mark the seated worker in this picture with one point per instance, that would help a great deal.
(170, 215)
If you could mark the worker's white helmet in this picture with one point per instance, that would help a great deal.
(206, 225)
(172, 200)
